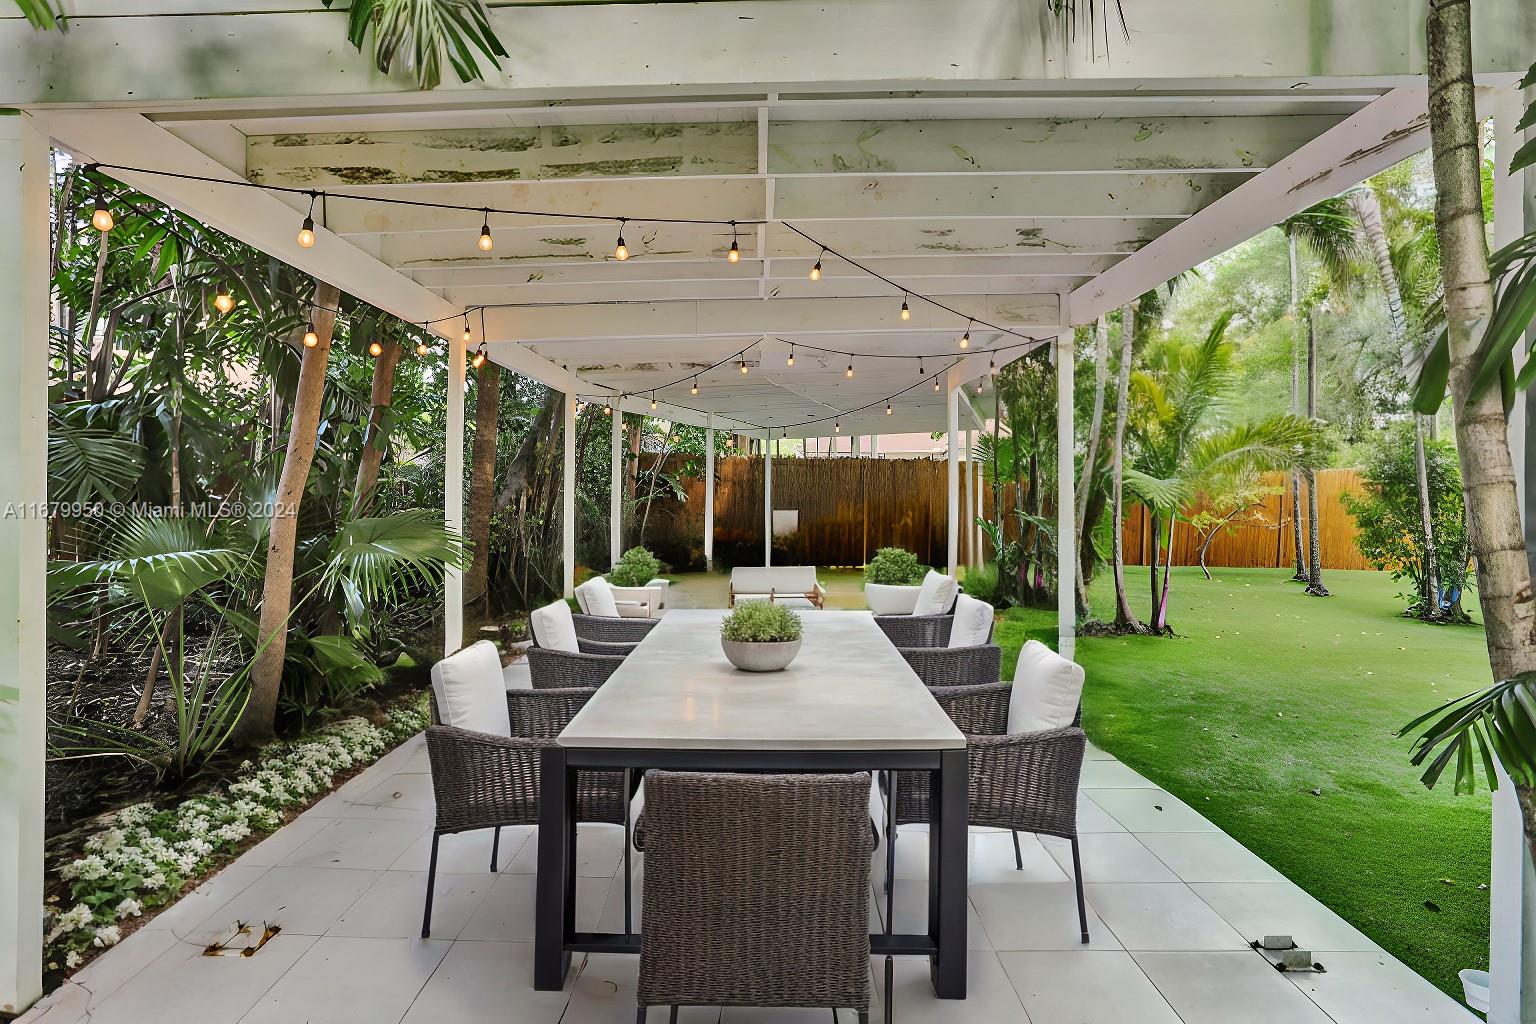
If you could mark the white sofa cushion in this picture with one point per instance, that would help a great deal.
(773, 579)
(973, 623)
(937, 594)
(596, 598)
(471, 691)
(554, 628)
(1046, 690)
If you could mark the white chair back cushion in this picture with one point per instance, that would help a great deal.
(554, 628)
(596, 598)
(937, 594)
(778, 579)
(1046, 690)
(471, 691)
(973, 623)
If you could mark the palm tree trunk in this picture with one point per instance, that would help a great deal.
(92, 376)
(1314, 541)
(1157, 556)
(1160, 616)
(1482, 441)
(482, 481)
(1090, 458)
(379, 399)
(1124, 617)
(1301, 567)
(1367, 207)
(255, 725)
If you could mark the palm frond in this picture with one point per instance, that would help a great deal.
(1276, 443)
(377, 559)
(160, 561)
(1471, 731)
(90, 464)
(1160, 493)
(1330, 231)
(413, 36)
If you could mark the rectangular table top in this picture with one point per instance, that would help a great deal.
(847, 689)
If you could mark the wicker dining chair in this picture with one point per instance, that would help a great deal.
(591, 666)
(611, 629)
(916, 630)
(756, 891)
(1022, 782)
(483, 781)
(955, 666)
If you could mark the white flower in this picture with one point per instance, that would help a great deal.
(130, 907)
(107, 935)
(73, 959)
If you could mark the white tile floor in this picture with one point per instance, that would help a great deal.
(1173, 902)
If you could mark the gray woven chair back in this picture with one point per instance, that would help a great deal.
(756, 891)
(542, 714)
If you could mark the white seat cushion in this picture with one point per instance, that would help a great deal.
(937, 594)
(775, 579)
(471, 691)
(596, 598)
(973, 623)
(1046, 690)
(554, 628)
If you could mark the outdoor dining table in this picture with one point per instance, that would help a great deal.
(848, 702)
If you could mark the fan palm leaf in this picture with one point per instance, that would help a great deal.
(379, 558)
(89, 463)
(1471, 731)
(1329, 230)
(413, 36)
(159, 561)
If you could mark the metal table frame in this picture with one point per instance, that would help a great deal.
(556, 937)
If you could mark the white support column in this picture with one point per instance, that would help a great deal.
(616, 490)
(952, 440)
(978, 537)
(1512, 917)
(568, 496)
(709, 494)
(453, 491)
(24, 295)
(1066, 502)
(966, 526)
(768, 498)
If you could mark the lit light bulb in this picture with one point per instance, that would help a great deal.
(223, 301)
(888, 408)
(307, 233)
(479, 359)
(992, 366)
(467, 334)
(653, 403)
(695, 389)
(311, 339)
(838, 427)
(607, 410)
(791, 360)
(906, 311)
(485, 243)
(621, 251)
(965, 339)
(422, 348)
(734, 255)
(816, 270)
(375, 349)
(849, 372)
(743, 367)
(935, 383)
(101, 218)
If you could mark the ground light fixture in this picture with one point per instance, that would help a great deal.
(222, 300)
(307, 229)
(311, 339)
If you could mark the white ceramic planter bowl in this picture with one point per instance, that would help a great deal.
(884, 599)
(750, 657)
(1474, 986)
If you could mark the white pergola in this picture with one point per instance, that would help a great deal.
(955, 149)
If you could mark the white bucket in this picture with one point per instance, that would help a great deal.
(1474, 987)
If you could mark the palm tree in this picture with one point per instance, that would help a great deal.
(1125, 618)
(1328, 229)
(1086, 479)
(1178, 453)
(482, 481)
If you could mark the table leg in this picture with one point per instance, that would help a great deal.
(555, 900)
(947, 895)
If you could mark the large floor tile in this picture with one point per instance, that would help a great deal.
(273, 849)
(196, 905)
(1093, 753)
(1227, 988)
(1162, 916)
(345, 980)
(357, 843)
(599, 848)
(1085, 987)
(1110, 857)
(911, 904)
(990, 996)
(1037, 915)
(486, 981)
(301, 900)
(97, 980)
(1149, 810)
(392, 907)
(603, 992)
(1113, 775)
(1258, 909)
(466, 853)
(506, 914)
(403, 796)
(1093, 818)
(184, 985)
(1373, 988)
(989, 858)
(1208, 857)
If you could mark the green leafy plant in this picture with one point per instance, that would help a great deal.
(413, 35)
(636, 568)
(760, 622)
(894, 567)
(981, 582)
(40, 14)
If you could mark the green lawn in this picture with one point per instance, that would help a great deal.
(1267, 695)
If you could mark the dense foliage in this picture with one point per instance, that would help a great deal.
(760, 622)
(636, 567)
(894, 567)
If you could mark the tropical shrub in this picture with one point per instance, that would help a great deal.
(981, 582)
(1390, 527)
(894, 567)
(636, 568)
(760, 622)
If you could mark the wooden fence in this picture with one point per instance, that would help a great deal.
(850, 507)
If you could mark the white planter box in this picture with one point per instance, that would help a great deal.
(884, 599)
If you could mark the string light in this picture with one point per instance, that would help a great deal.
(695, 389)
(734, 256)
(307, 229)
(935, 383)
(607, 410)
(920, 371)
(653, 403)
(467, 333)
(888, 408)
(791, 360)
(838, 426)
(992, 365)
(422, 348)
(223, 301)
(849, 372)
(906, 310)
(485, 234)
(101, 218)
(621, 251)
(965, 339)
(743, 367)
(311, 339)
(479, 359)
(375, 349)
(816, 270)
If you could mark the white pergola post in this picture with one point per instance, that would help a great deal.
(1066, 502)
(967, 526)
(568, 496)
(768, 498)
(616, 490)
(453, 491)
(1512, 915)
(709, 493)
(23, 553)
(952, 440)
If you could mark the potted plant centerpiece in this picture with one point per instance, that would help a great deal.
(892, 580)
(760, 636)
